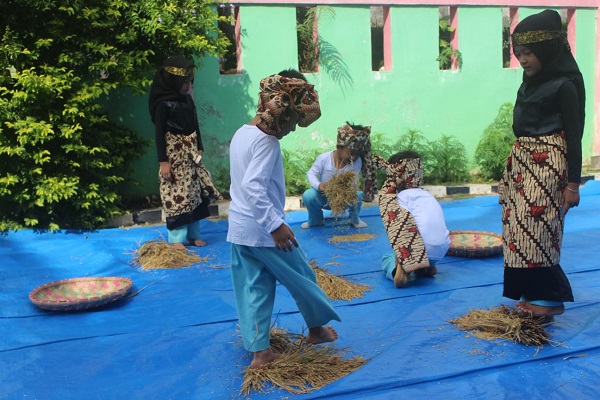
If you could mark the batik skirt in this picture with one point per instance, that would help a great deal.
(187, 195)
(531, 194)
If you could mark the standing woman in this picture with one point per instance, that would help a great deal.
(543, 171)
(185, 185)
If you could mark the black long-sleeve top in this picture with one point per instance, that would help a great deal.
(177, 117)
(573, 128)
(555, 109)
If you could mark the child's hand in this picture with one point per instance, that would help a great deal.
(284, 238)
(165, 170)
(571, 199)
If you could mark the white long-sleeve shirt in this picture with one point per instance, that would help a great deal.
(257, 188)
(429, 217)
(323, 169)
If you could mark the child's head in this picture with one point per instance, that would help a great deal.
(541, 35)
(353, 140)
(538, 41)
(286, 99)
(405, 169)
(178, 73)
(172, 81)
(403, 155)
(292, 73)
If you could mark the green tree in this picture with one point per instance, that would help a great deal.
(62, 162)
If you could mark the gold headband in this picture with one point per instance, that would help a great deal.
(524, 38)
(180, 71)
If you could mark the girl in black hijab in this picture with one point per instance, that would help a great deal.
(185, 185)
(543, 171)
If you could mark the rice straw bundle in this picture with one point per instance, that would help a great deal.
(302, 368)
(341, 192)
(357, 237)
(337, 287)
(505, 323)
(158, 254)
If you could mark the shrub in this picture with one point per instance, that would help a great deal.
(494, 147)
(295, 166)
(445, 161)
(62, 163)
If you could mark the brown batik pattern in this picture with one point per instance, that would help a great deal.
(531, 193)
(400, 225)
(190, 181)
(278, 94)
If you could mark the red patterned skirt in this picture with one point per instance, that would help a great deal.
(531, 193)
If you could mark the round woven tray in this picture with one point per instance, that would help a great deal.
(80, 293)
(474, 244)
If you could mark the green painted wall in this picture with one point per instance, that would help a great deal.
(415, 94)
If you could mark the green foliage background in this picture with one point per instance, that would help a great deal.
(62, 163)
(445, 160)
(494, 146)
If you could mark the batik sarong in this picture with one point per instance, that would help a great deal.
(400, 225)
(186, 196)
(531, 194)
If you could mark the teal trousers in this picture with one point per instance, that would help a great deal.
(255, 272)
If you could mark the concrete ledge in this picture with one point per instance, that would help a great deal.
(120, 220)
(450, 190)
(586, 178)
(152, 216)
(220, 209)
(481, 189)
(436, 191)
(293, 203)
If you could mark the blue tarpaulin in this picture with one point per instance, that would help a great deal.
(178, 339)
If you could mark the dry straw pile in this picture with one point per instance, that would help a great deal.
(341, 192)
(158, 254)
(357, 237)
(337, 287)
(302, 368)
(505, 323)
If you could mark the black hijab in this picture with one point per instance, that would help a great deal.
(168, 80)
(541, 33)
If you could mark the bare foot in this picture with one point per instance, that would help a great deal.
(178, 246)
(540, 311)
(264, 357)
(197, 242)
(400, 276)
(521, 305)
(321, 334)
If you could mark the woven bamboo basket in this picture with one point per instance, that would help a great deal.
(80, 293)
(474, 244)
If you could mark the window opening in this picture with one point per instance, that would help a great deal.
(308, 39)
(449, 56)
(229, 64)
(377, 62)
(507, 17)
